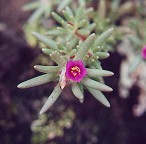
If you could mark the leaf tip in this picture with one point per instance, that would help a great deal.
(20, 86)
(112, 73)
(110, 89)
(111, 29)
(34, 33)
(108, 104)
(35, 67)
(41, 112)
(93, 35)
(53, 13)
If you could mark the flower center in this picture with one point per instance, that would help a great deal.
(75, 71)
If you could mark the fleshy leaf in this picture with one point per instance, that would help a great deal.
(77, 92)
(99, 96)
(37, 81)
(82, 2)
(49, 42)
(68, 17)
(47, 69)
(84, 47)
(98, 72)
(63, 4)
(102, 55)
(57, 58)
(59, 19)
(95, 85)
(79, 13)
(84, 32)
(51, 99)
(30, 6)
(47, 51)
(69, 11)
(71, 44)
(90, 27)
(35, 16)
(82, 23)
(55, 32)
(97, 65)
(102, 9)
(103, 37)
(72, 53)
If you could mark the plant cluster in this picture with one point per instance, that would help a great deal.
(76, 52)
(71, 44)
(76, 36)
(78, 66)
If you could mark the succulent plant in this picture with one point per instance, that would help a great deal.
(48, 127)
(75, 25)
(77, 66)
(43, 8)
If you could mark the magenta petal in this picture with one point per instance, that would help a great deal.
(143, 52)
(75, 70)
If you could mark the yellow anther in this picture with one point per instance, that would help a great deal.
(75, 70)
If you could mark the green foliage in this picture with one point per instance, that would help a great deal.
(83, 51)
(71, 30)
(76, 33)
(49, 127)
(77, 92)
(52, 98)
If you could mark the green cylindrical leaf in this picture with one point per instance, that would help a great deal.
(82, 23)
(69, 11)
(68, 17)
(89, 10)
(99, 96)
(95, 85)
(82, 2)
(51, 99)
(59, 19)
(115, 5)
(91, 27)
(97, 65)
(77, 92)
(126, 8)
(47, 69)
(30, 6)
(83, 32)
(55, 32)
(63, 4)
(38, 80)
(103, 37)
(47, 10)
(98, 73)
(72, 43)
(102, 55)
(49, 42)
(47, 51)
(72, 53)
(35, 16)
(57, 58)
(84, 47)
(79, 13)
(102, 9)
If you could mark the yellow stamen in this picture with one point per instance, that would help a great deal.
(75, 70)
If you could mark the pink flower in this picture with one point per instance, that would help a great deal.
(75, 70)
(143, 52)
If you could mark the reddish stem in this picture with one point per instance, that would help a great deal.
(82, 37)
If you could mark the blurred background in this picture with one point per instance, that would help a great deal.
(68, 121)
